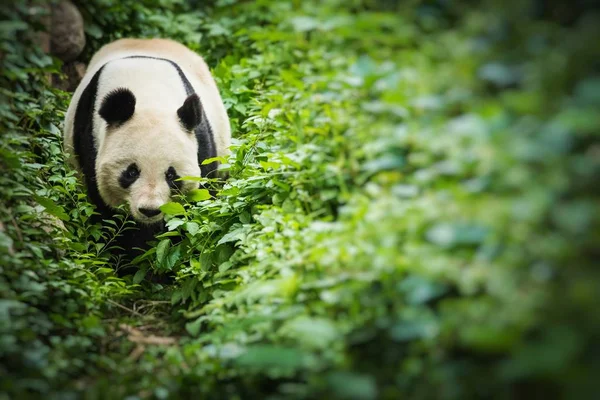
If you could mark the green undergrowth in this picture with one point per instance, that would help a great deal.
(412, 211)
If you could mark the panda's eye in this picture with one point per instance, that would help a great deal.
(171, 177)
(129, 176)
(133, 173)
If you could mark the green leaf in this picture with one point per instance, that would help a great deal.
(233, 236)
(174, 223)
(192, 228)
(304, 24)
(348, 385)
(139, 276)
(419, 290)
(176, 297)
(173, 208)
(193, 328)
(187, 288)
(52, 208)
(173, 257)
(213, 159)
(225, 266)
(161, 251)
(93, 30)
(263, 356)
(199, 195)
(10, 26)
(313, 332)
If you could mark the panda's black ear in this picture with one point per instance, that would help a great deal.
(190, 113)
(118, 106)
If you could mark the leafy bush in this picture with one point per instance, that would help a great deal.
(412, 211)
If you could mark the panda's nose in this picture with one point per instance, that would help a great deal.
(149, 212)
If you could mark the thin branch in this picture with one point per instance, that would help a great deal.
(114, 303)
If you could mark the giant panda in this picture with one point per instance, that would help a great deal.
(146, 113)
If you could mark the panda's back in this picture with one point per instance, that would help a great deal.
(155, 82)
(156, 71)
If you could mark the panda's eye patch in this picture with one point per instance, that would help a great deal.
(129, 175)
(171, 177)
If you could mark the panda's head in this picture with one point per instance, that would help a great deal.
(144, 152)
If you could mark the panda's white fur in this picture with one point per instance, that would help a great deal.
(153, 137)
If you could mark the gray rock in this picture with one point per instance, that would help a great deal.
(66, 31)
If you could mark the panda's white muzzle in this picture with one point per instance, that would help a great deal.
(145, 201)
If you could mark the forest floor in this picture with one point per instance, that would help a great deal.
(412, 211)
